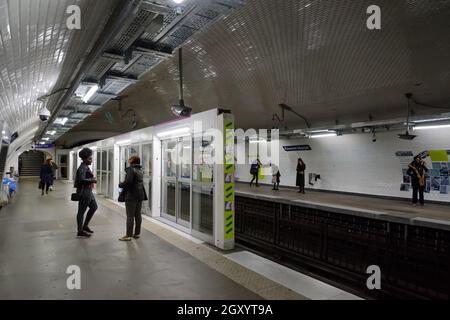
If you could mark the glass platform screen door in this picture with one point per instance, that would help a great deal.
(176, 180)
(147, 166)
(203, 189)
(144, 151)
(104, 163)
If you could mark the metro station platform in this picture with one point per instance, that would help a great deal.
(38, 243)
(394, 210)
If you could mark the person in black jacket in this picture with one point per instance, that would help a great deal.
(254, 171)
(84, 182)
(133, 187)
(417, 170)
(46, 176)
(301, 167)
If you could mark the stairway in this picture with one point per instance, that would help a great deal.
(30, 163)
(3, 155)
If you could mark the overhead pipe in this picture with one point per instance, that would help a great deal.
(121, 14)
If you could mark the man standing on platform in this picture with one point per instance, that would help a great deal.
(417, 170)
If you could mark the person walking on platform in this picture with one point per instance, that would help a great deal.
(84, 183)
(417, 170)
(301, 167)
(134, 191)
(46, 176)
(54, 168)
(254, 171)
(275, 177)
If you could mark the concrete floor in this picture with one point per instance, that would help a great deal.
(38, 243)
(389, 207)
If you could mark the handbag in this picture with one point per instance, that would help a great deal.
(41, 185)
(75, 197)
(122, 195)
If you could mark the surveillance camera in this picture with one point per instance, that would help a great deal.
(180, 110)
(44, 114)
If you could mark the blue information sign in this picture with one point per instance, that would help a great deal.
(44, 146)
(305, 147)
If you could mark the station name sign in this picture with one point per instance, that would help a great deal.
(305, 147)
(44, 146)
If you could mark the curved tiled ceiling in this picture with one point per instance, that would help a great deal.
(39, 54)
(315, 55)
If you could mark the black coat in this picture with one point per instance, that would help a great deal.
(300, 175)
(133, 185)
(84, 181)
(417, 172)
(46, 174)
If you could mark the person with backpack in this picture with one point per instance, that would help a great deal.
(254, 171)
(134, 194)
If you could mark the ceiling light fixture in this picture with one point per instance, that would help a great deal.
(123, 142)
(175, 132)
(61, 121)
(441, 126)
(90, 93)
(325, 135)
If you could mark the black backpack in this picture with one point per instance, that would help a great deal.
(254, 168)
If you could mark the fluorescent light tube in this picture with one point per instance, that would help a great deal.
(123, 142)
(175, 132)
(326, 135)
(90, 93)
(431, 127)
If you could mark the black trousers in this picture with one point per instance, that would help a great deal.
(45, 186)
(134, 214)
(84, 203)
(255, 177)
(418, 191)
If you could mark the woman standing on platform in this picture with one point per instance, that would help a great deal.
(46, 176)
(134, 190)
(275, 176)
(417, 170)
(301, 167)
(84, 183)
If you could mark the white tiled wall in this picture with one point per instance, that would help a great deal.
(353, 163)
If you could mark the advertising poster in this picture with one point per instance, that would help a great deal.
(437, 178)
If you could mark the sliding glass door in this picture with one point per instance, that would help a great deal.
(176, 181)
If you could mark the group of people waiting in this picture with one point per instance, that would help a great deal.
(133, 192)
(417, 170)
(300, 179)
